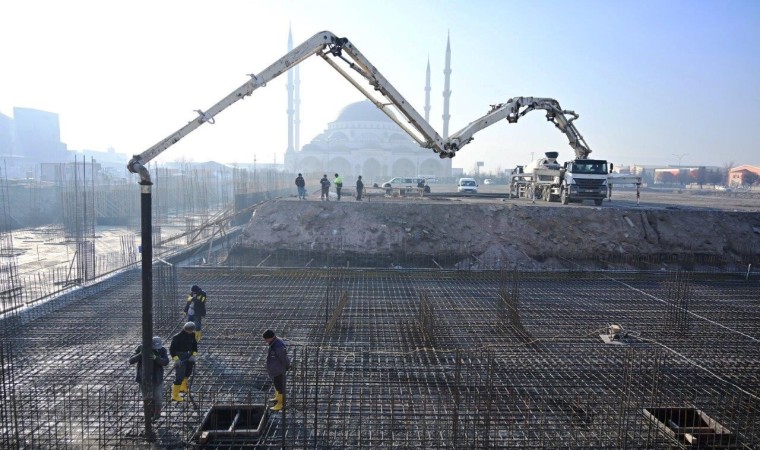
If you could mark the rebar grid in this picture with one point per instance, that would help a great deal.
(375, 381)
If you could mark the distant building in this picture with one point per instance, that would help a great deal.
(743, 175)
(38, 136)
(362, 140)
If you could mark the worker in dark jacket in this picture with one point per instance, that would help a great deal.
(301, 184)
(277, 364)
(195, 308)
(183, 350)
(359, 188)
(325, 184)
(160, 358)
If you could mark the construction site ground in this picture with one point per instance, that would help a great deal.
(400, 357)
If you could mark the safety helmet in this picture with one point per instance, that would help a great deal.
(189, 326)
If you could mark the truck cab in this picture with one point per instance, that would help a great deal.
(584, 179)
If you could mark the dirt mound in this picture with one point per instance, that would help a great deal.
(500, 234)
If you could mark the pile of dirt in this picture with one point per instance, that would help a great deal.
(503, 234)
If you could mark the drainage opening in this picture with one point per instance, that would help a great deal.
(691, 426)
(227, 423)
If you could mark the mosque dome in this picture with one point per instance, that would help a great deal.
(364, 111)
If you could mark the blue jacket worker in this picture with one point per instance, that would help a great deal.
(277, 364)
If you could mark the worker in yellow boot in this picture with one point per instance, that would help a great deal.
(277, 364)
(195, 308)
(183, 350)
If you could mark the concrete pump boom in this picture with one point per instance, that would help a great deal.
(515, 108)
(329, 47)
(332, 48)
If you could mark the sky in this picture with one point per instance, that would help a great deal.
(654, 82)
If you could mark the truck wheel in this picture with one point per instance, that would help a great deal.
(563, 197)
(598, 201)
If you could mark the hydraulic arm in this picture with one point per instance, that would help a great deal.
(335, 51)
(512, 110)
(331, 48)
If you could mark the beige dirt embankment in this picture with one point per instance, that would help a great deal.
(520, 235)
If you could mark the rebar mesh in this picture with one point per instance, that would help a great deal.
(377, 380)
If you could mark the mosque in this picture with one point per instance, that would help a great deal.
(362, 140)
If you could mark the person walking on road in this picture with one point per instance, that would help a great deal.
(338, 184)
(183, 350)
(160, 358)
(301, 184)
(277, 364)
(325, 183)
(196, 309)
(359, 188)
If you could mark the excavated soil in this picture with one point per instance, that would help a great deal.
(498, 233)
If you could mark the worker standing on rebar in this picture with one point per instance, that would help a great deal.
(301, 184)
(338, 185)
(183, 350)
(325, 184)
(277, 364)
(196, 309)
(160, 358)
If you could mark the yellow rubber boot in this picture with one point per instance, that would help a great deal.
(278, 406)
(198, 336)
(175, 393)
(276, 394)
(183, 386)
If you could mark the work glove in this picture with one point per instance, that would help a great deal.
(176, 361)
(153, 355)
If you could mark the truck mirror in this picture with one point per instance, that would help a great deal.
(611, 166)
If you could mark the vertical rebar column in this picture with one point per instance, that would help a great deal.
(677, 314)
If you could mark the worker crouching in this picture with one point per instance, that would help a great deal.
(183, 349)
(277, 364)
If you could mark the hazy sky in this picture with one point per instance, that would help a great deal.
(649, 79)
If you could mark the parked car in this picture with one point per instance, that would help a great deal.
(405, 182)
(467, 186)
(488, 181)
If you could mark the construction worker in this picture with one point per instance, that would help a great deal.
(325, 184)
(338, 184)
(195, 309)
(301, 184)
(359, 188)
(277, 364)
(183, 350)
(160, 358)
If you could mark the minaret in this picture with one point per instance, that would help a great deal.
(297, 124)
(446, 89)
(290, 97)
(427, 92)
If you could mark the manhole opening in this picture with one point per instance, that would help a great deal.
(225, 422)
(690, 426)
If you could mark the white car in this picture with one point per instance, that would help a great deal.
(467, 186)
(488, 181)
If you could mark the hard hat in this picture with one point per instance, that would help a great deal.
(157, 343)
(189, 326)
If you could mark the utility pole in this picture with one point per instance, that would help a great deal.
(680, 157)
